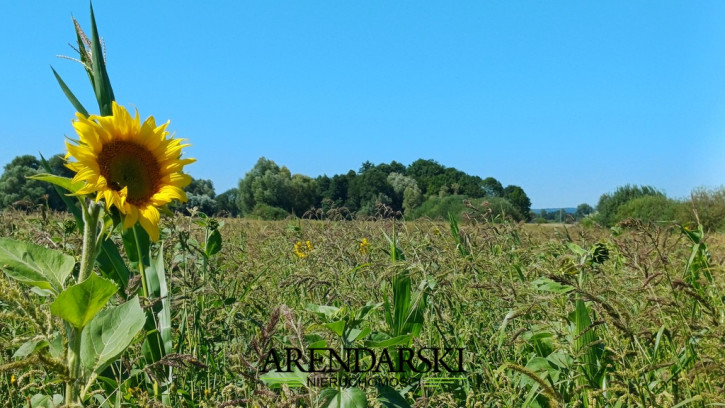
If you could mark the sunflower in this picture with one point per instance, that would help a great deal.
(131, 165)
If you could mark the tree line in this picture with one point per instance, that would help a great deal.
(424, 188)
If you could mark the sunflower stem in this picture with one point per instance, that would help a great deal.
(72, 386)
(90, 230)
(144, 284)
(88, 258)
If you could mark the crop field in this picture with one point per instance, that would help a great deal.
(529, 315)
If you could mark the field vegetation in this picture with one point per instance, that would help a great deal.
(548, 315)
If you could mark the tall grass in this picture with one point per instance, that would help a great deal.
(548, 316)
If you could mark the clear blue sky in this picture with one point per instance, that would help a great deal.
(566, 99)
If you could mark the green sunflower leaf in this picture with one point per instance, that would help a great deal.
(109, 334)
(63, 182)
(35, 265)
(213, 243)
(79, 303)
(344, 398)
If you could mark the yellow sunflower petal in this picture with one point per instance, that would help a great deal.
(131, 217)
(149, 218)
(179, 179)
(168, 194)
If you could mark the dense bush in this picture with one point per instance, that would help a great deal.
(268, 213)
(650, 208)
(609, 203)
(710, 207)
(438, 208)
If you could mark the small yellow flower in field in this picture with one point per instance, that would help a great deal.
(207, 392)
(364, 246)
(302, 250)
(133, 166)
(13, 380)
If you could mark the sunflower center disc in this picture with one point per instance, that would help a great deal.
(127, 164)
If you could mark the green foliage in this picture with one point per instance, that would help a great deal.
(200, 195)
(649, 208)
(369, 188)
(412, 198)
(492, 187)
(35, 265)
(269, 185)
(203, 203)
(438, 208)
(535, 334)
(433, 178)
(301, 194)
(425, 172)
(17, 190)
(264, 184)
(558, 215)
(200, 187)
(227, 203)
(394, 185)
(582, 210)
(497, 209)
(609, 203)
(344, 398)
(78, 304)
(109, 334)
(400, 182)
(518, 198)
(500, 209)
(710, 207)
(267, 212)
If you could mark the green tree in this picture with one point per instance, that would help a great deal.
(492, 187)
(582, 210)
(17, 189)
(471, 186)
(337, 190)
(426, 173)
(200, 195)
(264, 184)
(518, 198)
(609, 203)
(226, 202)
(201, 187)
(276, 188)
(302, 194)
(368, 189)
(400, 184)
(412, 198)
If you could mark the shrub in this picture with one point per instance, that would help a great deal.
(439, 207)
(436, 207)
(609, 203)
(268, 213)
(710, 207)
(649, 208)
